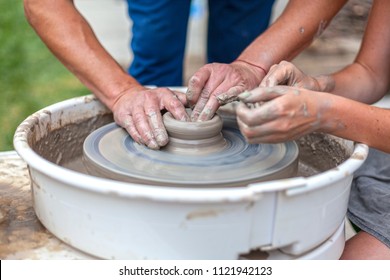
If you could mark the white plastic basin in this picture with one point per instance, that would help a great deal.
(116, 220)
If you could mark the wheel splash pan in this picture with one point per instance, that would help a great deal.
(118, 220)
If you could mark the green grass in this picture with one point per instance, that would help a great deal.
(31, 78)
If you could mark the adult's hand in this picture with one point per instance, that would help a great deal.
(286, 73)
(216, 84)
(139, 112)
(278, 114)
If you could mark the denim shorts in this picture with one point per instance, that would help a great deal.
(369, 202)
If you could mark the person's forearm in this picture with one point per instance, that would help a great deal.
(358, 122)
(294, 30)
(72, 41)
(368, 78)
(355, 82)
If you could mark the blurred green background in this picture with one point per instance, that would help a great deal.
(31, 78)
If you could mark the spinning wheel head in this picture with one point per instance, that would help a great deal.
(199, 154)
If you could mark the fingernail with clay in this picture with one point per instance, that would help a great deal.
(245, 95)
(207, 114)
(185, 118)
(189, 97)
(194, 116)
(162, 139)
(153, 145)
(225, 99)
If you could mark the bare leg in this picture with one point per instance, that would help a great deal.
(364, 246)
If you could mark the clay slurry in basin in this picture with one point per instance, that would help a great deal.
(199, 154)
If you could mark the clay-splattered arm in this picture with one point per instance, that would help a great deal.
(287, 113)
(68, 35)
(298, 25)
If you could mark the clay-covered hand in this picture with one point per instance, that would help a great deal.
(216, 84)
(139, 112)
(286, 73)
(282, 113)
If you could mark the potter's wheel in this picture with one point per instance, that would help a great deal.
(199, 154)
(141, 221)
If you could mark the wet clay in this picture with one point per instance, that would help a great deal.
(317, 152)
(199, 154)
(63, 145)
(199, 138)
(322, 152)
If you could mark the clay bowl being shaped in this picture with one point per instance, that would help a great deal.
(297, 217)
(199, 154)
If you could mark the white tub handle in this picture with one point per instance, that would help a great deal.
(278, 185)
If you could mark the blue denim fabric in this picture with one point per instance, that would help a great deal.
(160, 30)
(369, 202)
